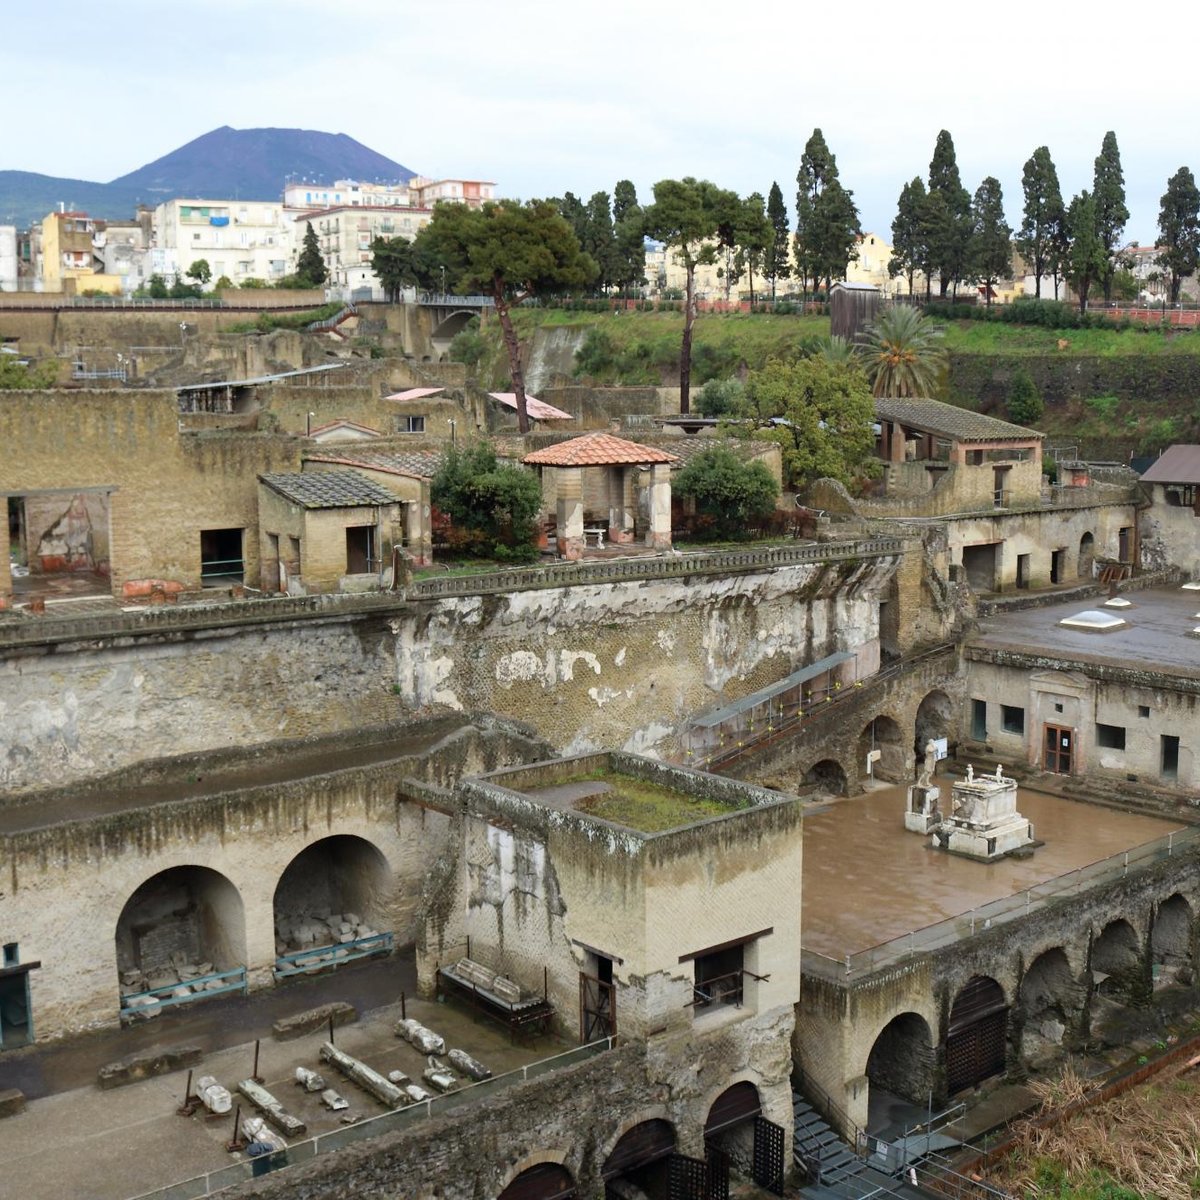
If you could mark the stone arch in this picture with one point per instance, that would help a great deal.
(828, 776)
(1117, 961)
(640, 1155)
(934, 719)
(729, 1124)
(901, 1062)
(540, 1178)
(977, 1034)
(184, 918)
(447, 328)
(1050, 1000)
(1087, 555)
(884, 734)
(1171, 936)
(336, 881)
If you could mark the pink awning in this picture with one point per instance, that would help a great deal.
(415, 394)
(538, 410)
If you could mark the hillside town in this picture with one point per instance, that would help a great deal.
(662, 697)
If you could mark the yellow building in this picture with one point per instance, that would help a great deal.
(68, 259)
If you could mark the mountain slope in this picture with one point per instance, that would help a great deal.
(245, 164)
(251, 164)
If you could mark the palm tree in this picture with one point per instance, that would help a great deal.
(839, 351)
(901, 354)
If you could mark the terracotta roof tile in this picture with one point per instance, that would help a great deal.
(597, 450)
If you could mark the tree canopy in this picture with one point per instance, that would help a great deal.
(949, 224)
(688, 216)
(1085, 258)
(728, 491)
(510, 252)
(1024, 402)
(991, 236)
(820, 413)
(1039, 239)
(910, 250)
(777, 260)
(1111, 213)
(630, 250)
(827, 227)
(17, 376)
(1179, 229)
(310, 266)
(901, 353)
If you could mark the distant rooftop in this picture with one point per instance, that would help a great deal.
(414, 463)
(949, 420)
(598, 450)
(328, 489)
(1176, 464)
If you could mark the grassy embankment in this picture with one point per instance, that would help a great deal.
(642, 348)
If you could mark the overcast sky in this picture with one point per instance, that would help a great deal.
(545, 96)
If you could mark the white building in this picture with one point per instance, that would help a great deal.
(240, 239)
(346, 192)
(8, 258)
(344, 235)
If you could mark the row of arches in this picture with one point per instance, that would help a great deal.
(883, 739)
(982, 1026)
(645, 1159)
(196, 915)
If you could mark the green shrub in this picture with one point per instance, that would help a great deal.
(1024, 403)
(491, 505)
(727, 490)
(718, 397)
(468, 345)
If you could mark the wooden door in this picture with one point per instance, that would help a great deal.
(1059, 746)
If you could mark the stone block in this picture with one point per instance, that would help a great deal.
(146, 1064)
(313, 1019)
(12, 1101)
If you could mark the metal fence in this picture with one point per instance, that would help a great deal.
(952, 930)
(373, 1127)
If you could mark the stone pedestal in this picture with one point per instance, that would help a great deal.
(921, 815)
(983, 822)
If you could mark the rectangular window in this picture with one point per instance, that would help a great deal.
(360, 549)
(718, 979)
(1110, 737)
(979, 719)
(1143, 710)
(1170, 756)
(1012, 718)
(11, 954)
(410, 424)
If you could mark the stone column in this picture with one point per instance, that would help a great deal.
(659, 534)
(417, 529)
(570, 512)
(896, 442)
(5, 582)
(620, 504)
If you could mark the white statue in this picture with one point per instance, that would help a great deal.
(970, 773)
(999, 773)
(925, 779)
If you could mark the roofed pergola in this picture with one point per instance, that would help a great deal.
(621, 460)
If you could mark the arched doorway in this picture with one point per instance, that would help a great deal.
(1050, 1000)
(934, 716)
(642, 1156)
(1171, 939)
(882, 736)
(1087, 555)
(977, 1034)
(331, 897)
(899, 1068)
(1116, 962)
(826, 777)
(546, 1181)
(181, 925)
(729, 1129)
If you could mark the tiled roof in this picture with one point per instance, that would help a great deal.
(1177, 464)
(415, 463)
(598, 450)
(539, 410)
(328, 489)
(961, 424)
(416, 393)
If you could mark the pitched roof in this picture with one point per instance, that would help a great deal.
(342, 423)
(1176, 464)
(539, 410)
(328, 489)
(597, 450)
(415, 463)
(961, 424)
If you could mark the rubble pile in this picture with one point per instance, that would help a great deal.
(175, 978)
(320, 931)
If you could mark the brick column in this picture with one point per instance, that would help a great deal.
(620, 504)
(659, 534)
(570, 511)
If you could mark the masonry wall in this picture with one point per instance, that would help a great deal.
(621, 666)
(1170, 534)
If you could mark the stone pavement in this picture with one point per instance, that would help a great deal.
(91, 1145)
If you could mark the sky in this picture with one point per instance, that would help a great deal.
(548, 96)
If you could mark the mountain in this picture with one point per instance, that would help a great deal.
(251, 164)
(243, 164)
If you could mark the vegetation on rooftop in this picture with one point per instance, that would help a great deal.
(646, 807)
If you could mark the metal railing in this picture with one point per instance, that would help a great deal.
(446, 300)
(326, 958)
(390, 1122)
(978, 920)
(166, 995)
(935, 1174)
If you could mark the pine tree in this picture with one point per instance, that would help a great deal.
(1085, 258)
(1108, 195)
(777, 264)
(1024, 403)
(908, 232)
(310, 266)
(1037, 239)
(599, 240)
(630, 253)
(950, 233)
(1179, 229)
(991, 237)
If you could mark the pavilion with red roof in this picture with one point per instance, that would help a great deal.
(622, 461)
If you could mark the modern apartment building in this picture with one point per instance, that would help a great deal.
(240, 239)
